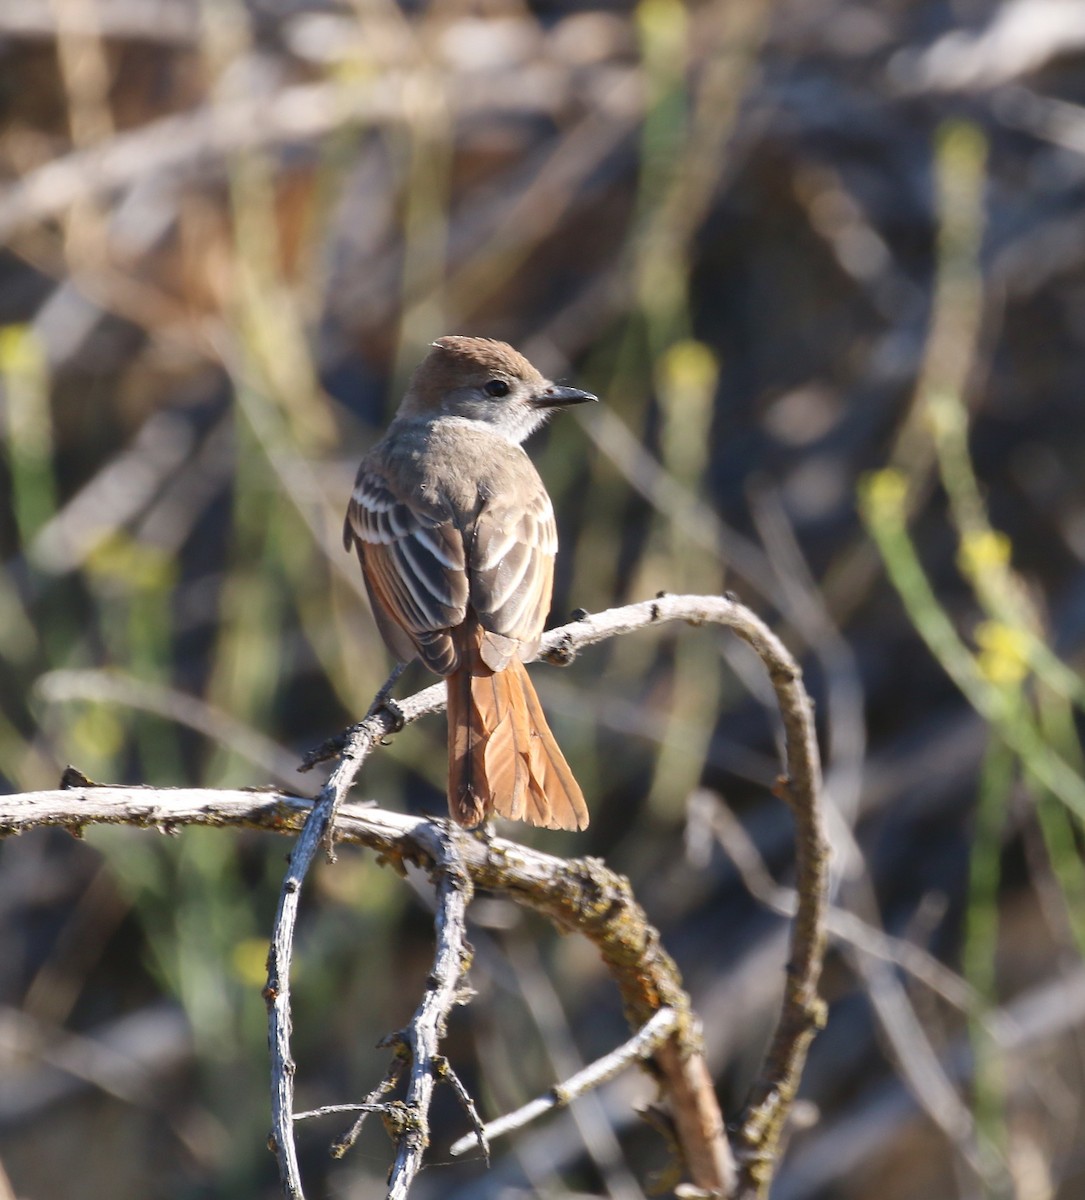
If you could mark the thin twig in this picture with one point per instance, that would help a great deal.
(327, 1110)
(479, 1137)
(370, 1104)
(642, 1044)
(316, 833)
(542, 1002)
(427, 1026)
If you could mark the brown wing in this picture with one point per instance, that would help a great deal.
(414, 565)
(512, 571)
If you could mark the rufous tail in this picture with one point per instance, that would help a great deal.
(502, 757)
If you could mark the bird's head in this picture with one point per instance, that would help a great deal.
(481, 380)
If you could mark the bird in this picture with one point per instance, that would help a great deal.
(456, 537)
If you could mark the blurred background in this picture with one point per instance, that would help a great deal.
(825, 263)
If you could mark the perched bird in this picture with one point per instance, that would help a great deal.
(456, 537)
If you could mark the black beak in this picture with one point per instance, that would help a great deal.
(556, 396)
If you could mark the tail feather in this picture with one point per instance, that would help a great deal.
(547, 765)
(506, 770)
(468, 793)
(502, 756)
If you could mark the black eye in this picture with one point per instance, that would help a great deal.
(496, 387)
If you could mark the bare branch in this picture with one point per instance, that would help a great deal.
(328, 1110)
(580, 895)
(642, 1044)
(590, 1115)
(479, 1137)
(370, 1104)
(427, 1026)
(184, 144)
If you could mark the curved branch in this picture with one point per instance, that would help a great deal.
(581, 894)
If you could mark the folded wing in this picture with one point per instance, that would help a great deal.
(415, 569)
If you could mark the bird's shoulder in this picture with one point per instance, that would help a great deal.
(451, 465)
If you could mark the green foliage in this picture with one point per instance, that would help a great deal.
(1008, 673)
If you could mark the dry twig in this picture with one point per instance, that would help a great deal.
(641, 1045)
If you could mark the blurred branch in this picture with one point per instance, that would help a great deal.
(709, 813)
(581, 895)
(189, 142)
(864, 1131)
(698, 521)
(165, 22)
(114, 687)
(116, 495)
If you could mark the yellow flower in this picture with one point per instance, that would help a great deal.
(136, 565)
(1004, 653)
(689, 366)
(883, 493)
(983, 551)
